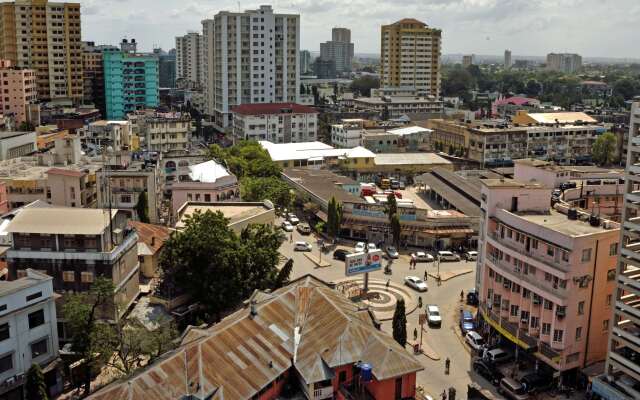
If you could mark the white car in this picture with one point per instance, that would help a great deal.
(287, 227)
(433, 315)
(293, 219)
(474, 340)
(421, 256)
(392, 252)
(302, 246)
(371, 247)
(471, 255)
(359, 247)
(448, 256)
(416, 283)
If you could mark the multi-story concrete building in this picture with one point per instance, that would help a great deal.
(305, 62)
(130, 83)
(467, 60)
(115, 134)
(566, 138)
(93, 74)
(45, 37)
(19, 94)
(189, 64)
(166, 67)
(251, 57)
(174, 167)
(275, 122)
(410, 56)
(122, 188)
(17, 144)
(564, 62)
(75, 246)
(621, 379)
(28, 328)
(348, 133)
(508, 62)
(395, 107)
(546, 276)
(339, 49)
(162, 131)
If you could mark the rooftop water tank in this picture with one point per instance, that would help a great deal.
(365, 372)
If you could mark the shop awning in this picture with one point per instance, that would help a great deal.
(322, 215)
(505, 333)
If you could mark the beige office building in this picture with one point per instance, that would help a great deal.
(410, 56)
(45, 37)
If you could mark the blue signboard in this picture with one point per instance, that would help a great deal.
(360, 263)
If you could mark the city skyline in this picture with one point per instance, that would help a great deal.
(478, 26)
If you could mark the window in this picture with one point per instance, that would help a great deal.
(611, 274)
(6, 363)
(86, 277)
(547, 276)
(608, 301)
(342, 376)
(579, 333)
(125, 198)
(68, 276)
(207, 198)
(514, 310)
(613, 249)
(534, 322)
(36, 318)
(581, 308)
(4, 332)
(526, 293)
(548, 305)
(524, 317)
(586, 255)
(546, 328)
(39, 348)
(534, 243)
(34, 296)
(550, 251)
(557, 335)
(605, 325)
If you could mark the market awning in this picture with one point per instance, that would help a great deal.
(505, 333)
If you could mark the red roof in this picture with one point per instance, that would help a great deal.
(273, 108)
(65, 172)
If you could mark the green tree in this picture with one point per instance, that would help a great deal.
(35, 387)
(457, 82)
(533, 88)
(399, 323)
(364, 84)
(392, 206)
(282, 279)
(395, 229)
(604, 149)
(142, 208)
(271, 188)
(626, 88)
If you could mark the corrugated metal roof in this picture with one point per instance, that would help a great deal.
(243, 353)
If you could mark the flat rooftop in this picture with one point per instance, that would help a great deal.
(507, 183)
(323, 183)
(410, 158)
(397, 100)
(559, 222)
(61, 221)
(234, 211)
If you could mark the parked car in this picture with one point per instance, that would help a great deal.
(498, 356)
(568, 185)
(535, 383)
(487, 370)
(416, 283)
(286, 226)
(433, 315)
(471, 255)
(474, 340)
(472, 297)
(512, 389)
(359, 247)
(302, 246)
(401, 186)
(371, 247)
(467, 322)
(392, 252)
(448, 256)
(304, 229)
(421, 256)
(340, 254)
(291, 217)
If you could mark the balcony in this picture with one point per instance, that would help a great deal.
(534, 254)
(538, 283)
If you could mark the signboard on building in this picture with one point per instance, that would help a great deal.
(360, 263)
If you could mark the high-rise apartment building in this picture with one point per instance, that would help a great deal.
(18, 93)
(189, 60)
(339, 49)
(305, 62)
(621, 378)
(166, 67)
(130, 83)
(467, 60)
(45, 37)
(250, 57)
(507, 59)
(564, 62)
(93, 74)
(410, 56)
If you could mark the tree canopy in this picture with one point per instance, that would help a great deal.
(364, 84)
(399, 323)
(604, 149)
(217, 267)
(142, 208)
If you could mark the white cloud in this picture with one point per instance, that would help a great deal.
(528, 27)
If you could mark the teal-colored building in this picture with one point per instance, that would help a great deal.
(130, 83)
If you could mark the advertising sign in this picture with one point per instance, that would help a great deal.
(359, 263)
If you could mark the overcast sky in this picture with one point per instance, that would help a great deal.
(606, 28)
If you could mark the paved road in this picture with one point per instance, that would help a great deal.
(445, 340)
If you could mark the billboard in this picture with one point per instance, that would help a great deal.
(359, 263)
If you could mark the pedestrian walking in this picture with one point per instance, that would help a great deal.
(388, 281)
(447, 364)
(415, 334)
(426, 276)
(462, 295)
(439, 280)
(291, 238)
(443, 395)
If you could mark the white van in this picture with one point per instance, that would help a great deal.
(448, 256)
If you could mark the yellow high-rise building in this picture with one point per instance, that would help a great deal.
(45, 37)
(410, 56)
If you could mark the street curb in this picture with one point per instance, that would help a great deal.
(457, 274)
(316, 261)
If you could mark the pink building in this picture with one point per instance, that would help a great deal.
(4, 202)
(18, 93)
(208, 182)
(545, 275)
